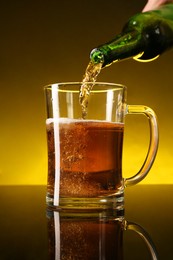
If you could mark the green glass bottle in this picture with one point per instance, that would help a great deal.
(144, 37)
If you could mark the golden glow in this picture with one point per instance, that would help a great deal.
(137, 58)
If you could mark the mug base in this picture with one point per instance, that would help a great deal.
(114, 202)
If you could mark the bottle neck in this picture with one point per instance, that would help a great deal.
(144, 37)
(124, 46)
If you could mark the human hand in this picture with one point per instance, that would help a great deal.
(154, 4)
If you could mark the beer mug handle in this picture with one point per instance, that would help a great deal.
(145, 236)
(153, 146)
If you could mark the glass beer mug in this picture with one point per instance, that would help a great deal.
(85, 155)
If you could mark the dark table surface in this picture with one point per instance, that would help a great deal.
(24, 223)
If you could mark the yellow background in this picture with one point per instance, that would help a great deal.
(49, 41)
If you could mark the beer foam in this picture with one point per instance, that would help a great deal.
(65, 120)
(62, 120)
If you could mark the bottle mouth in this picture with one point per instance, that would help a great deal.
(97, 56)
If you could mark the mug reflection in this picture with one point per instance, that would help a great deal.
(87, 236)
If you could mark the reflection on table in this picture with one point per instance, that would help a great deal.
(29, 231)
(96, 235)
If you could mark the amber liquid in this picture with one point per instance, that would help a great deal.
(90, 76)
(90, 157)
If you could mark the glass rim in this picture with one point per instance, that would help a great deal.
(108, 86)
